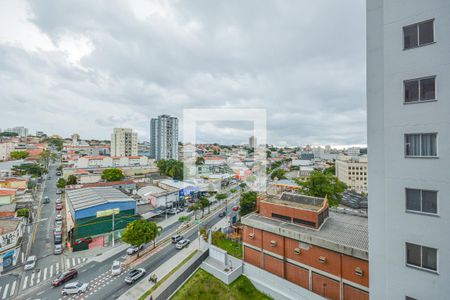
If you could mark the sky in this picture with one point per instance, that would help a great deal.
(89, 66)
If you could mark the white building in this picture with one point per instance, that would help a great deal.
(164, 137)
(408, 60)
(124, 142)
(20, 130)
(5, 150)
(353, 172)
(252, 142)
(108, 161)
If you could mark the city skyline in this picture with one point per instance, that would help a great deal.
(185, 55)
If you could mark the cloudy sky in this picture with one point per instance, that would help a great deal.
(88, 66)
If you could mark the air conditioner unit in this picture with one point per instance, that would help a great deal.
(359, 271)
(297, 251)
(251, 235)
(273, 243)
(322, 259)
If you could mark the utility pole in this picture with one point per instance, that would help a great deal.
(113, 228)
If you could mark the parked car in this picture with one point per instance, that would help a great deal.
(176, 238)
(59, 191)
(235, 208)
(183, 243)
(30, 263)
(58, 249)
(76, 287)
(58, 217)
(46, 199)
(134, 249)
(171, 211)
(58, 173)
(59, 206)
(64, 277)
(58, 200)
(86, 240)
(57, 238)
(134, 275)
(222, 214)
(116, 268)
(58, 224)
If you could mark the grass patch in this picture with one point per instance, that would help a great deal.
(161, 281)
(233, 248)
(203, 286)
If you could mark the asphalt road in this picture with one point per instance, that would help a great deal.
(105, 286)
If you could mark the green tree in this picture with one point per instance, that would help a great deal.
(330, 170)
(172, 168)
(61, 183)
(221, 196)
(138, 232)
(112, 174)
(18, 154)
(184, 219)
(243, 185)
(278, 173)
(322, 185)
(72, 179)
(200, 161)
(55, 142)
(247, 203)
(46, 156)
(33, 169)
(8, 134)
(204, 203)
(23, 212)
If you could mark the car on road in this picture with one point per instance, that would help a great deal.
(58, 217)
(64, 277)
(134, 249)
(171, 211)
(222, 214)
(116, 268)
(59, 191)
(59, 206)
(58, 200)
(46, 199)
(30, 263)
(176, 238)
(183, 243)
(58, 224)
(58, 173)
(58, 249)
(235, 208)
(76, 287)
(57, 239)
(134, 275)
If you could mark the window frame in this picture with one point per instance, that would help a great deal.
(421, 212)
(419, 79)
(421, 156)
(421, 259)
(418, 34)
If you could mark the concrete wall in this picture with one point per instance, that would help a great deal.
(276, 287)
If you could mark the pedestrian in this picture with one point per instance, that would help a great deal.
(151, 297)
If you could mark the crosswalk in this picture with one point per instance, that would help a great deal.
(43, 274)
(8, 290)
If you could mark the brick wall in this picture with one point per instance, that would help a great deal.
(326, 287)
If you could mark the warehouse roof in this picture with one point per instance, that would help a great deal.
(93, 196)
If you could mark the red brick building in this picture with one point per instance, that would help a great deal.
(298, 238)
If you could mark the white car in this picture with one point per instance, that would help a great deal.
(181, 244)
(58, 224)
(30, 263)
(58, 217)
(76, 287)
(58, 249)
(116, 268)
(134, 249)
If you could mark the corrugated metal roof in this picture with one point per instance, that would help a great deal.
(88, 197)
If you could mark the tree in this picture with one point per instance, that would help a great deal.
(221, 196)
(33, 169)
(330, 170)
(23, 212)
(55, 142)
(278, 173)
(200, 161)
(243, 185)
(172, 168)
(72, 179)
(8, 134)
(18, 154)
(247, 203)
(61, 183)
(46, 156)
(140, 232)
(112, 174)
(322, 185)
(204, 203)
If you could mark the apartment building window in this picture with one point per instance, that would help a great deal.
(421, 145)
(421, 257)
(420, 89)
(424, 201)
(419, 34)
(281, 217)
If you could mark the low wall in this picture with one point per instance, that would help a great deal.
(276, 287)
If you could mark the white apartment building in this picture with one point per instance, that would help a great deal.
(408, 104)
(5, 150)
(164, 137)
(20, 130)
(124, 142)
(111, 161)
(353, 172)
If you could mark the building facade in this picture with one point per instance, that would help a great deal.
(408, 105)
(353, 172)
(297, 238)
(20, 130)
(124, 142)
(164, 137)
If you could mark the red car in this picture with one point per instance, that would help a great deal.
(235, 208)
(59, 206)
(64, 277)
(86, 240)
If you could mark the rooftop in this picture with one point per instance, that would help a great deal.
(341, 232)
(297, 201)
(9, 225)
(88, 197)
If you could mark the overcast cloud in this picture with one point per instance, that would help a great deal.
(88, 66)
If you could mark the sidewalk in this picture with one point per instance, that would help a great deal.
(144, 285)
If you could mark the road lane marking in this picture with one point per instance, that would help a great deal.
(68, 263)
(73, 262)
(51, 271)
(13, 288)
(38, 275)
(5, 292)
(25, 283)
(57, 267)
(45, 273)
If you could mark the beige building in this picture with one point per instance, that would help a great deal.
(353, 172)
(5, 150)
(124, 142)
